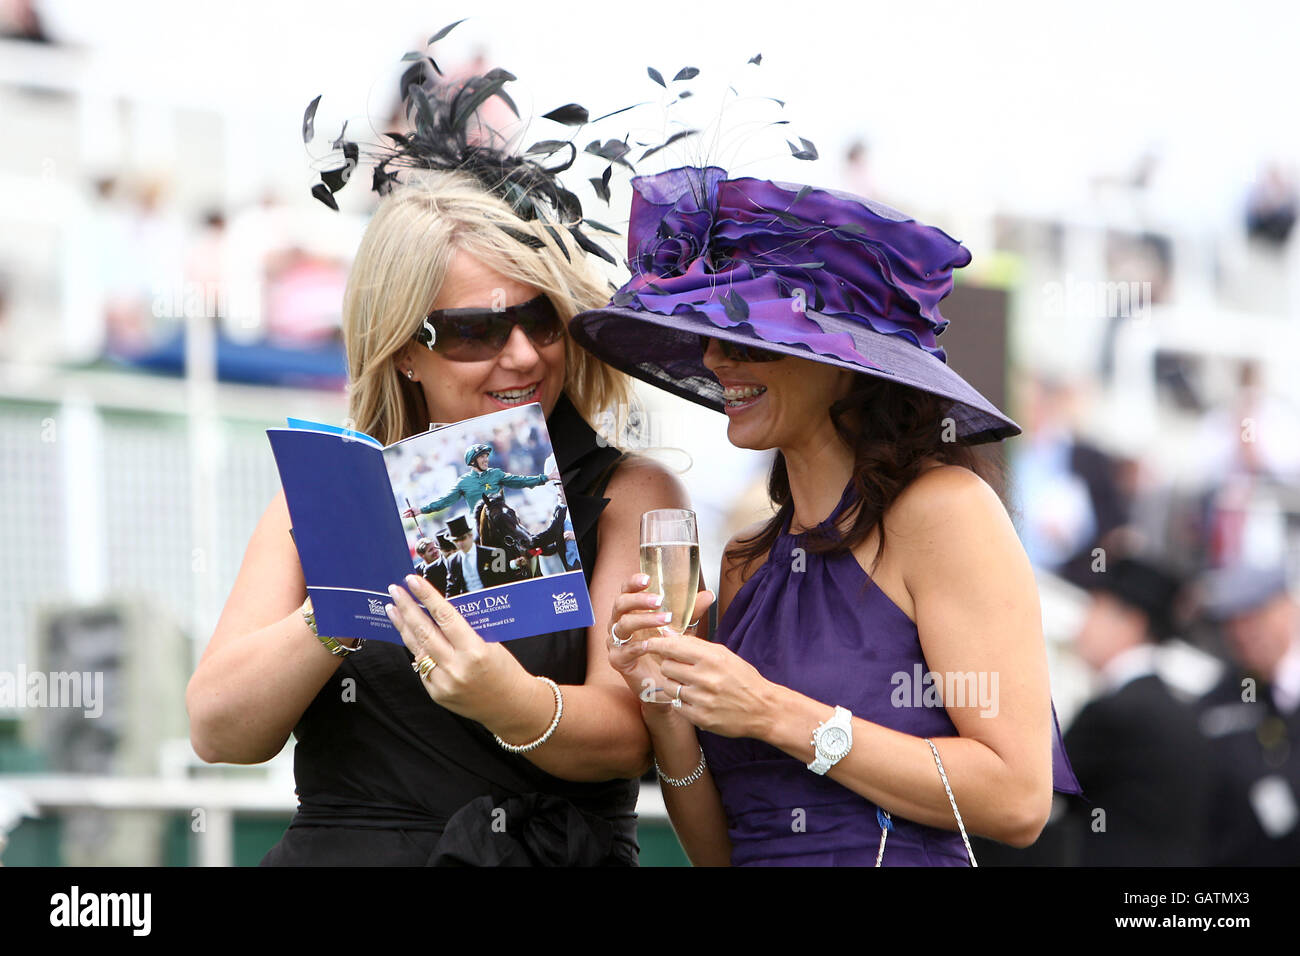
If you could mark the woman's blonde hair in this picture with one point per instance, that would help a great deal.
(399, 270)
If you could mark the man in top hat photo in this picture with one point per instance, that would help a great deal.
(1253, 718)
(446, 546)
(477, 566)
(481, 480)
(432, 566)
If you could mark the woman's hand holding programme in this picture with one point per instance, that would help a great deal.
(472, 677)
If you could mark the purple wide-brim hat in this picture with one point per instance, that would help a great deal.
(812, 273)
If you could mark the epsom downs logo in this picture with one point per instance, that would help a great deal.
(565, 602)
(376, 606)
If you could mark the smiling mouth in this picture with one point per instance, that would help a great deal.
(742, 396)
(517, 396)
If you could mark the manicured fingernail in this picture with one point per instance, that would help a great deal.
(413, 580)
(665, 617)
(390, 610)
(658, 601)
(642, 579)
(392, 589)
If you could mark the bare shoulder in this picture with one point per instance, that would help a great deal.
(641, 484)
(950, 518)
(944, 495)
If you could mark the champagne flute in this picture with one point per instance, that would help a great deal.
(670, 555)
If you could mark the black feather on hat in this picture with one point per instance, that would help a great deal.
(448, 135)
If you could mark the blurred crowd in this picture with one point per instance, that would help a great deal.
(254, 277)
(1186, 750)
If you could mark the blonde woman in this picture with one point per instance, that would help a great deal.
(392, 767)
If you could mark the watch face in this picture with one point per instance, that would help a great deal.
(833, 743)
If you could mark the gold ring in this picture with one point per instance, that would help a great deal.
(423, 666)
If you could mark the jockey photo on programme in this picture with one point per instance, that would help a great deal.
(499, 536)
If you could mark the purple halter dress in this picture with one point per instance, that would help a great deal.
(828, 632)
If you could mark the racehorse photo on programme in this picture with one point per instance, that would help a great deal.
(498, 539)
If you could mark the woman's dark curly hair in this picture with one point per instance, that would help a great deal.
(892, 430)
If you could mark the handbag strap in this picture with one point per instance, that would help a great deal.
(887, 823)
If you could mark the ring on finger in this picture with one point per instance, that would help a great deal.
(618, 641)
(676, 702)
(423, 665)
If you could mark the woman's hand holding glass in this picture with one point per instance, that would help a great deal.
(719, 691)
(637, 616)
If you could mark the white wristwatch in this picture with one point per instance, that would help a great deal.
(832, 740)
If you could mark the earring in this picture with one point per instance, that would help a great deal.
(410, 374)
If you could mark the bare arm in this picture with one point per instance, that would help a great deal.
(977, 611)
(262, 665)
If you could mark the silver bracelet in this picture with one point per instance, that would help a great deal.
(555, 722)
(687, 780)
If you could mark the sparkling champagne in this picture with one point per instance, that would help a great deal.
(674, 570)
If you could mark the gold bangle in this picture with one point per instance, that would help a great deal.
(331, 644)
(555, 721)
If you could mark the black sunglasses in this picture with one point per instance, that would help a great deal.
(475, 335)
(739, 352)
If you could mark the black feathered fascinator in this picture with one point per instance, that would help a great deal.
(447, 134)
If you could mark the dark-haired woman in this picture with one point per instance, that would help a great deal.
(878, 684)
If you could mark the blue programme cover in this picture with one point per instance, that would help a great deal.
(365, 516)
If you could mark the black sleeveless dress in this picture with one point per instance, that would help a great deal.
(388, 777)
